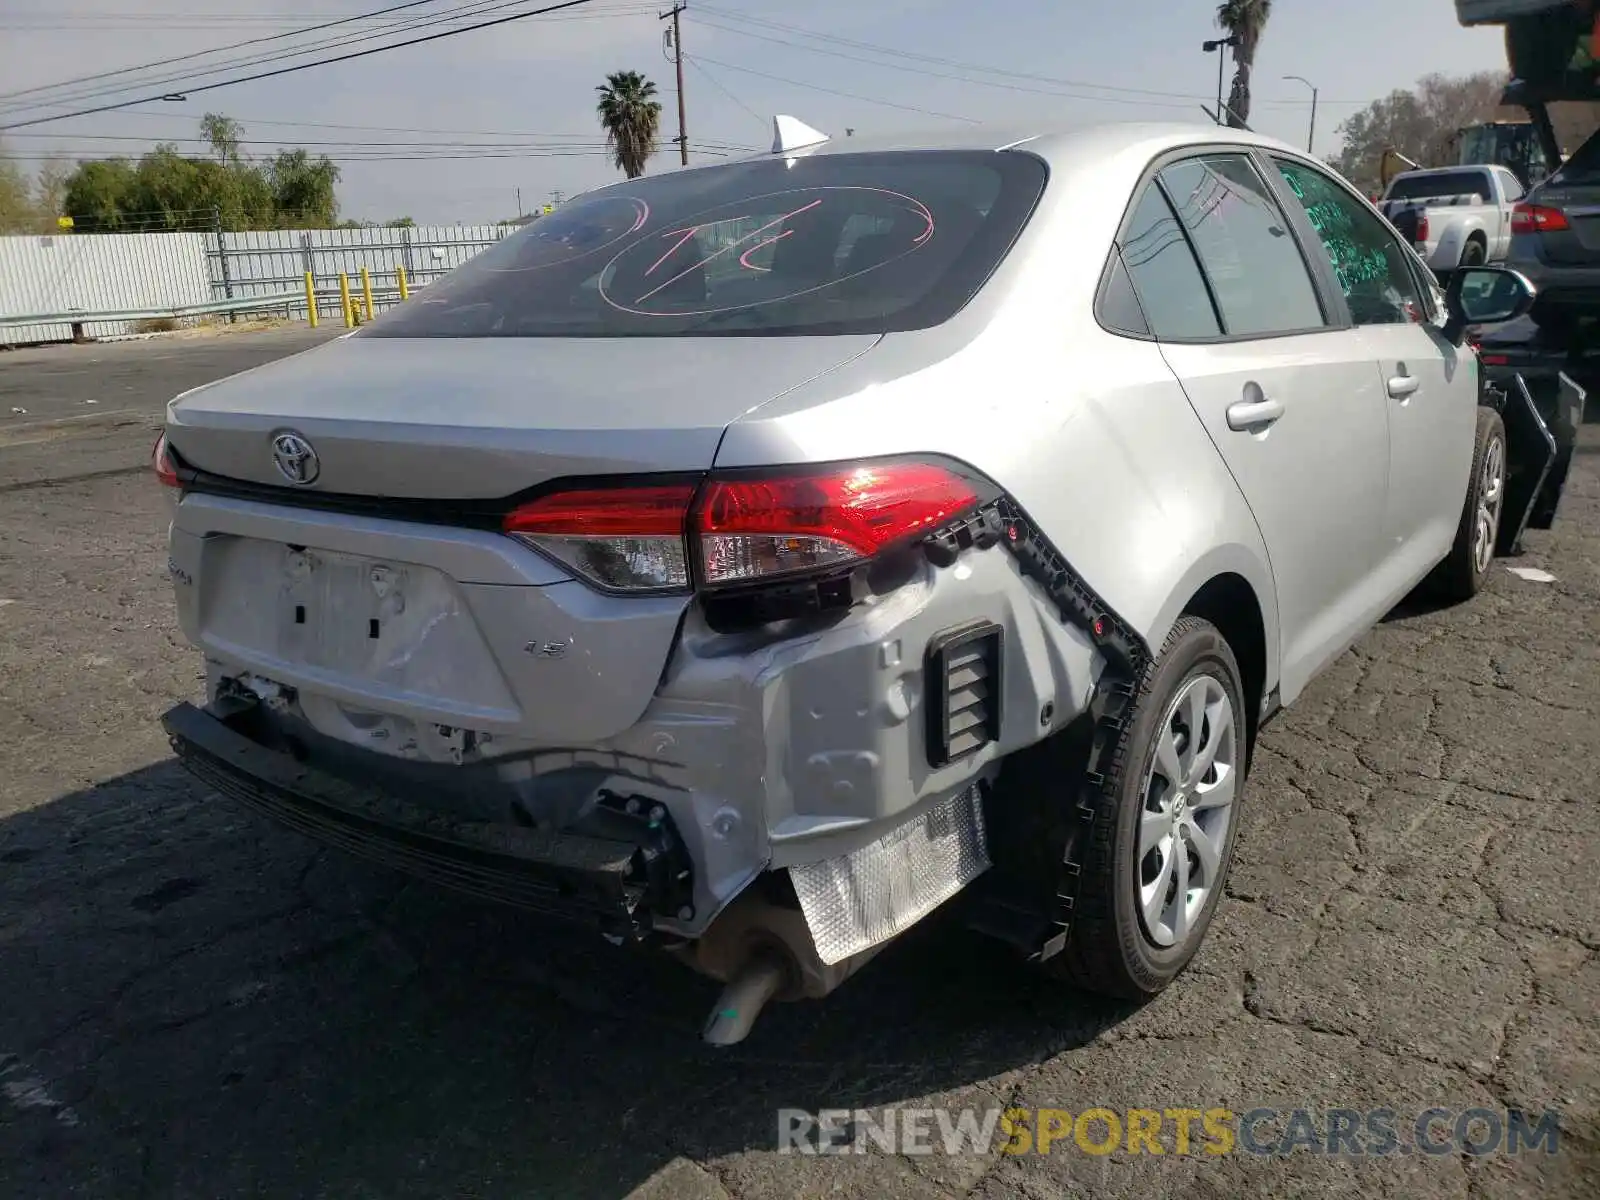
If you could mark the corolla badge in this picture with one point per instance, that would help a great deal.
(295, 459)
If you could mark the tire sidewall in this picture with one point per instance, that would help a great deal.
(1201, 651)
(1472, 255)
(1490, 430)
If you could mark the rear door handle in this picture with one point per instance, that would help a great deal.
(1403, 385)
(1249, 415)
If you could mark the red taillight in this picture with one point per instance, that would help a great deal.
(1422, 227)
(1536, 218)
(1494, 360)
(626, 539)
(754, 529)
(161, 462)
(741, 529)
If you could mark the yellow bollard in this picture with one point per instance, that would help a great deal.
(346, 305)
(400, 279)
(366, 290)
(311, 300)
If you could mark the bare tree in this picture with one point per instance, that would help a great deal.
(1422, 123)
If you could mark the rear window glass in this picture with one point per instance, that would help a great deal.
(857, 243)
(1584, 165)
(1448, 183)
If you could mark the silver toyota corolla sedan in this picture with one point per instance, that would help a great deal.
(752, 558)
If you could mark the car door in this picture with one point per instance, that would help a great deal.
(1430, 386)
(1511, 191)
(1288, 397)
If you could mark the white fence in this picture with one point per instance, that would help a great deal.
(100, 273)
(110, 272)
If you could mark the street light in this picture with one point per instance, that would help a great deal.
(1214, 46)
(1312, 136)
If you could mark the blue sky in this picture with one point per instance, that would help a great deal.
(532, 82)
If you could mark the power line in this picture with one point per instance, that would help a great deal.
(462, 12)
(817, 87)
(928, 58)
(914, 70)
(695, 63)
(115, 21)
(795, 30)
(518, 138)
(161, 62)
(321, 62)
(188, 80)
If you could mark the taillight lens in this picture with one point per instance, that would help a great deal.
(1536, 218)
(161, 463)
(755, 529)
(1422, 227)
(623, 539)
(742, 529)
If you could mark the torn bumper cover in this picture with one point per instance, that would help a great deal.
(617, 880)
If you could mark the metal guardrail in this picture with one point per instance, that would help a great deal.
(85, 317)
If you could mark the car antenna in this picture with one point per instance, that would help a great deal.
(791, 133)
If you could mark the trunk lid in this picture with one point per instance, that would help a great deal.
(416, 637)
(1579, 244)
(484, 418)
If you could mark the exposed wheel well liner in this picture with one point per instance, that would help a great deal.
(1229, 602)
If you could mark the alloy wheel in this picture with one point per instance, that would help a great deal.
(1188, 793)
(1491, 496)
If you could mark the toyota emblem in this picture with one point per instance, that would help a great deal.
(296, 460)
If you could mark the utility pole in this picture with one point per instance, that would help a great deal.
(519, 202)
(1311, 138)
(1215, 45)
(675, 38)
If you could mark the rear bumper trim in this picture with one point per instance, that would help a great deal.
(556, 874)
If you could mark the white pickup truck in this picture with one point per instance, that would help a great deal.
(1454, 216)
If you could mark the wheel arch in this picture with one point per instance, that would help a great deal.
(1232, 588)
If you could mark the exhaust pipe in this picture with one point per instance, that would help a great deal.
(743, 999)
(761, 951)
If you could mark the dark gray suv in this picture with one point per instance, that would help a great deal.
(1555, 240)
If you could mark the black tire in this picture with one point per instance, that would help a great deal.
(1109, 950)
(1473, 254)
(1460, 576)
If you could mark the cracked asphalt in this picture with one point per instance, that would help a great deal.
(194, 1003)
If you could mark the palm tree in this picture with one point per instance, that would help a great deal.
(1245, 20)
(632, 119)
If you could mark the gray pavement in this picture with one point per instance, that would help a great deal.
(196, 1004)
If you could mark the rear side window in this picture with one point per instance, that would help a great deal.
(1440, 186)
(828, 244)
(1250, 257)
(1172, 292)
(1118, 306)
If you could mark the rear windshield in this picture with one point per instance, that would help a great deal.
(1584, 165)
(1449, 183)
(858, 243)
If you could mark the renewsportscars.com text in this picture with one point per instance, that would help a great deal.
(1375, 1132)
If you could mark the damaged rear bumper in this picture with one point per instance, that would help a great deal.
(617, 880)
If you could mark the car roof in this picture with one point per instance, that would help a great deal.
(1046, 139)
(1451, 170)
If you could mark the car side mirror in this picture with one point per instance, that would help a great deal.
(1485, 296)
